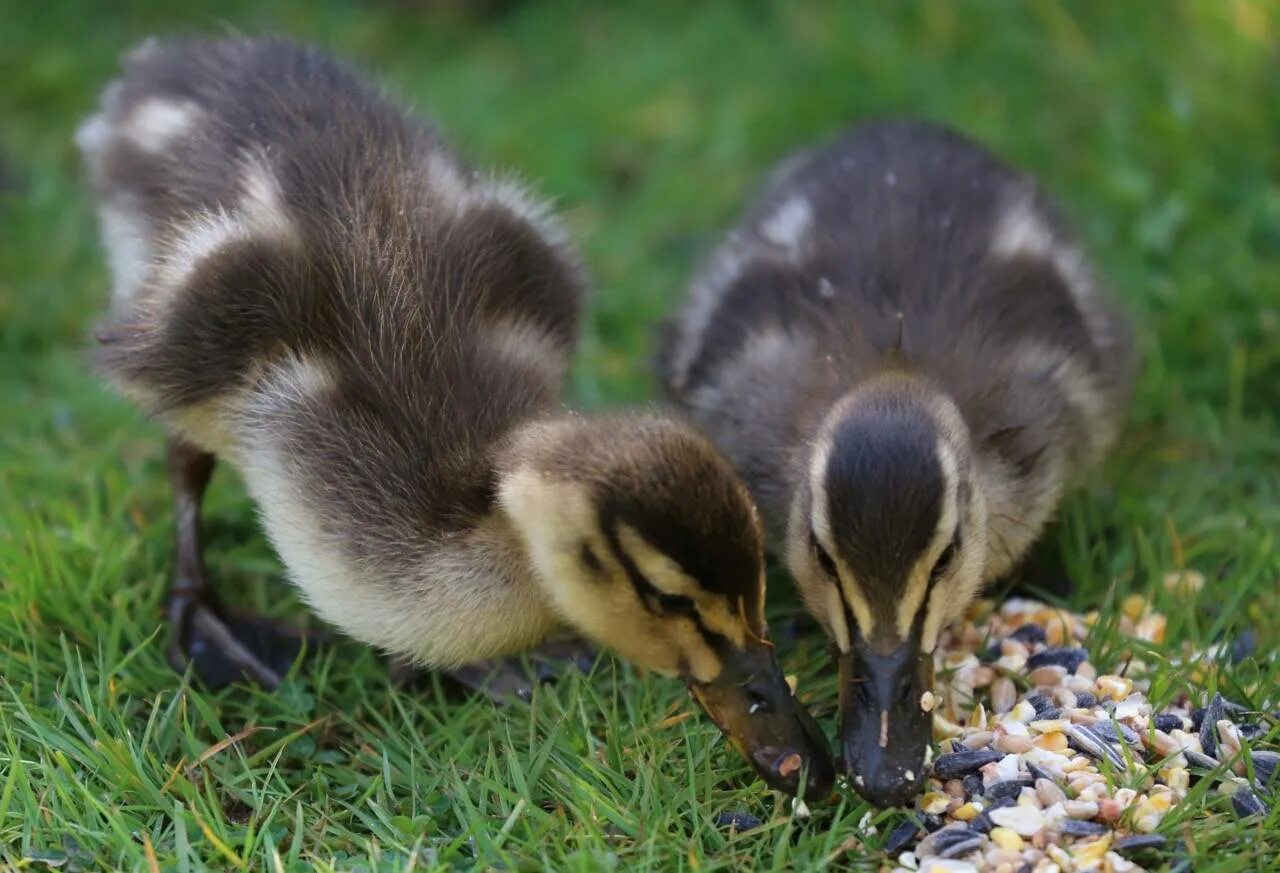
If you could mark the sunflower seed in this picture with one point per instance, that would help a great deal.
(1247, 803)
(948, 843)
(1168, 722)
(1037, 772)
(1030, 634)
(901, 837)
(1265, 767)
(1086, 700)
(1243, 646)
(1009, 790)
(1074, 827)
(1250, 731)
(1195, 759)
(1085, 740)
(737, 820)
(1139, 843)
(961, 763)
(1068, 659)
(1209, 725)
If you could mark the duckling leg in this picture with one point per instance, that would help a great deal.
(505, 679)
(222, 648)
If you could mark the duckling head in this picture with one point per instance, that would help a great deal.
(887, 540)
(645, 541)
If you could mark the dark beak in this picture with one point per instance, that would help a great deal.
(883, 729)
(753, 705)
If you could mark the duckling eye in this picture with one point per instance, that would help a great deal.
(590, 559)
(948, 555)
(825, 561)
(677, 604)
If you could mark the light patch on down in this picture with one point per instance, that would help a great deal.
(126, 238)
(528, 345)
(787, 226)
(470, 597)
(154, 124)
(260, 214)
(724, 269)
(1022, 231)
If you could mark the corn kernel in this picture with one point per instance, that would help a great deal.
(935, 803)
(1134, 606)
(1054, 741)
(1006, 838)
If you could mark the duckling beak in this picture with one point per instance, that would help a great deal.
(752, 704)
(884, 731)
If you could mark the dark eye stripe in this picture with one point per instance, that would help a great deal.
(650, 596)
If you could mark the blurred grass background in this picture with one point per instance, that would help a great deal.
(650, 123)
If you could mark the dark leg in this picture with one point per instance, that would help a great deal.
(504, 679)
(221, 648)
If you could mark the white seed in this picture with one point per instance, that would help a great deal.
(1012, 743)
(978, 740)
(1004, 694)
(1049, 793)
(1022, 712)
(1025, 820)
(928, 701)
(1082, 809)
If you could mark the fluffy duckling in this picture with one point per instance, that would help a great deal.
(312, 286)
(907, 356)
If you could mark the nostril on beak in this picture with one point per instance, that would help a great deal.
(788, 764)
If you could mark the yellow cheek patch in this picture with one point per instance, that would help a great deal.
(658, 570)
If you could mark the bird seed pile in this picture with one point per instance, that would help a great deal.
(1045, 765)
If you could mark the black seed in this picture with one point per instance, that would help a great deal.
(933, 822)
(1195, 759)
(960, 848)
(1029, 634)
(959, 763)
(1085, 700)
(1038, 772)
(1247, 803)
(1085, 739)
(982, 822)
(737, 820)
(901, 837)
(1265, 767)
(1243, 646)
(973, 785)
(1068, 658)
(1115, 732)
(949, 843)
(1197, 718)
(1139, 843)
(1008, 790)
(1250, 731)
(1039, 702)
(1050, 714)
(1168, 722)
(1215, 712)
(1074, 827)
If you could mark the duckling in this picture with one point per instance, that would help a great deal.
(908, 357)
(309, 284)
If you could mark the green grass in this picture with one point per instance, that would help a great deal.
(651, 123)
